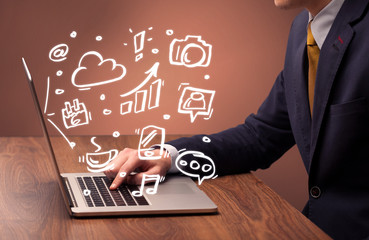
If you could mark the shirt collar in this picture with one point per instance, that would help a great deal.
(322, 22)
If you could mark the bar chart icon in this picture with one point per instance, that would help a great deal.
(144, 99)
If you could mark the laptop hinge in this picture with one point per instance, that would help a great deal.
(70, 196)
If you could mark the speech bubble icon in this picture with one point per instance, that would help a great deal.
(196, 164)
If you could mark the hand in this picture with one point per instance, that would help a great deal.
(127, 161)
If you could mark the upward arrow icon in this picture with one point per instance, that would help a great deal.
(152, 72)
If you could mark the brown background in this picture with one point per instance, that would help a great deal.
(249, 38)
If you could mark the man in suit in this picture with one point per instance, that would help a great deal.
(319, 102)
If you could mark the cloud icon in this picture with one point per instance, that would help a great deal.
(92, 67)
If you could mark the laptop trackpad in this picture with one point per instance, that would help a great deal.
(178, 188)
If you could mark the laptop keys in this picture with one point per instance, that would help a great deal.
(84, 190)
(140, 200)
(100, 195)
(93, 192)
(104, 191)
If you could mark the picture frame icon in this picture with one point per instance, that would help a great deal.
(151, 135)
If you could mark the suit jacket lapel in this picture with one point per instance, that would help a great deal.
(330, 59)
(301, 97)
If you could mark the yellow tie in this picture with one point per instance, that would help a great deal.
(313, 56)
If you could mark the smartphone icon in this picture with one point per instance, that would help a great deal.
(151, 135)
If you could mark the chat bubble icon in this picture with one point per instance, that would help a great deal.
(196, 101)
(196, 164)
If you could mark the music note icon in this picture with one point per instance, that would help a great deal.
(149, 190)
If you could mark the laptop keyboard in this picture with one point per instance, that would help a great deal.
(97, 194)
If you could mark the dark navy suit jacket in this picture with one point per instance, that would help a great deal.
(334, 144)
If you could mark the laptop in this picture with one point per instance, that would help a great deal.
(87, 194)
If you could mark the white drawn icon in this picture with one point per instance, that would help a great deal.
(126, 108)
(99, 161)
(87, 192)
(139, 41)
(108, 68)
(73, 34)
(196, 164)
(144, 98)
(190, 52)
(196, 101)
(151, 135)
(71, 144)
(59, 53)
(149, 190)
(75, 114)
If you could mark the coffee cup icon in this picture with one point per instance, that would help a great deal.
(98, 161)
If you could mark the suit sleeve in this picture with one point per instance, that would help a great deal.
(257, 143)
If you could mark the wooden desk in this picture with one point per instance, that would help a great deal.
(31, 207)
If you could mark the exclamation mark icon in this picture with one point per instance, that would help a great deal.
(139, 40)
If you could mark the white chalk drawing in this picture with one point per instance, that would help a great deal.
(107, 112)
(116, 134)
(152, 72)
(98, 38)
(151, 135)
(140, 101)
(207, 77)
(147, 179)
(102, 97)
(196, 101)
(99, 161)
(59, 91)
(116, 72)
(95, 144)
(86, 192)
(166, 116)
(47, 94)
(155, 51)
(59, 73)
(142, 98)
(126, 108)
(139, 41)
(190, 52)
(75, 114)
(196, 164)
(169, 32)
(73, 34)
(206, 139)
(71, 144)
(155, 89)
(59, 52)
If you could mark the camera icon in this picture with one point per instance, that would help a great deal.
(190, 52)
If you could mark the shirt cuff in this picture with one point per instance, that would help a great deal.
(173, 152)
